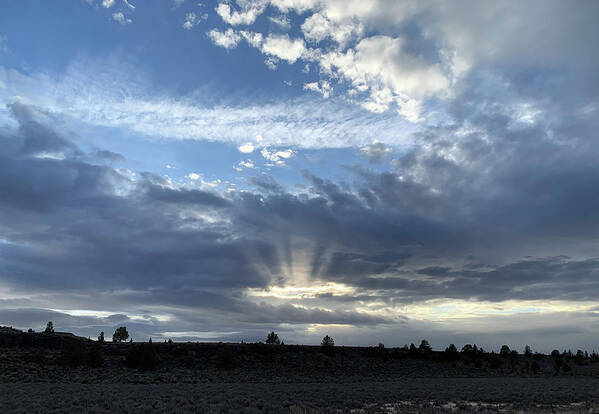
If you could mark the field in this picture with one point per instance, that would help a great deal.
(69, 374)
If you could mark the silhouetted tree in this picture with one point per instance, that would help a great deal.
(30, 330)
(451, 349)
(505, 351)
(555, 353)
(527, 351)
(327, 342)
(381, 345)
(467, 349)
(273, 339)
(101, 337)
(49, 328)
(120, 334)
(424, 346)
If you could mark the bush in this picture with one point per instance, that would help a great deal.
(101, 337)
(225, 358)
(495, 361)
(142, 357)
(273, 339)
(535, 367)
(77, 353)
(120, 334)
(505, 351)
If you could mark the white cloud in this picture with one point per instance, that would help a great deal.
(253, 38)
(120, 18)
(168, 166)
(244, 164)
(131, 6)
(319, 27)
(198, 180)
(250, 10)
(227, 39)
(276, 157)
(125, 100)
(271, 63)
(284, 48)
(380, 67)
(376, 152)
(323, 87)
(281, 20)
(246, 148)
(191, 20)
(178, 3)
(107, 3)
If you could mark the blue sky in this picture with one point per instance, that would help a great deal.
(378, 169)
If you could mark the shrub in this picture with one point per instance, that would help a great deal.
(30, 330)
(555, 353)
(142, 357)
(534, 367)
(225, 358)
(49, 328)
(505, 351)
(495, 361)
(451, 349)
(77, 353)
(101, 337)
(120, 334)
(273, 339)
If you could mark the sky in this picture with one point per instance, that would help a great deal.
(374, 170)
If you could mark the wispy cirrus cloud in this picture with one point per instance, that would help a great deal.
(134, 107)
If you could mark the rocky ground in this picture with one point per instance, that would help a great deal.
(63, 373)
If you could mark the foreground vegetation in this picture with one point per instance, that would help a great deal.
(100, 376)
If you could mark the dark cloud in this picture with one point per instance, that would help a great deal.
(453, 219)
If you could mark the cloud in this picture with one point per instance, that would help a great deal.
(281, 20)
(380, 68)
(318, 28)
(301, 123)
(244, 164)
(129, 5)
(246, 148)
(323, 87)
(276, 157)
(254, 39)
(107, 3)
(191, 20)
(120, 18)
(450, 225)
(376, 152)
(282, 47)
(178, 3)
(250, 10)
(227, 39)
